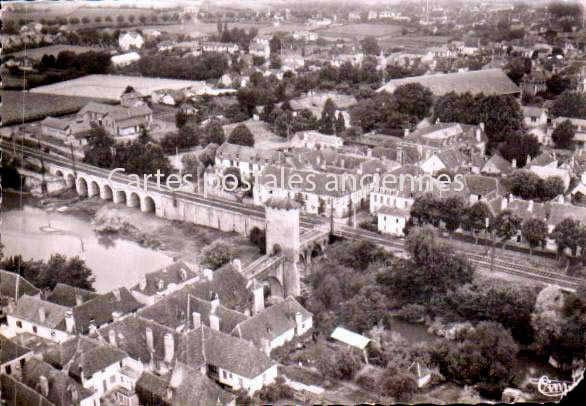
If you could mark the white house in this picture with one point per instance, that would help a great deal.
(534, 116)
(129, 40)
(125, 59)
(392, 220)
(41, 318)
(248, 160)
(315, 140)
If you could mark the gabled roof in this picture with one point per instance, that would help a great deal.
(543, 159)
(224, 351)
(350, 338)
(28, 308)
(272, 322)
(66, 295)
(61, 385)
(100, 309)
(488, 81)
(229, 285)
(53, 122)
(9, 350)
(531, 111)
(99, 108)
(481, 185)
(12, 284)
(504, 166)
(176, 273)
(248, 154)
(394, 211)
(16, 393)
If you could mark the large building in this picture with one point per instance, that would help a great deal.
(488, 82)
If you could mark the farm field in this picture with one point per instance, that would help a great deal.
(110, 87)
(200, 28)
(414, 43)
(37, 53)
(361, 31)
(30, 106)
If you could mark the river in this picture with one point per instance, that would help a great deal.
(36, 234)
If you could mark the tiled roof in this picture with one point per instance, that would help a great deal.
(452, 158)
(61, 385)
(559, 212)
(131, 337)
(16, 393)
(481, 185)
(28, 308)
(272, 322)
(394, 211)
(543, 159)
(176, 309)
(83, 354)
(531, 111)
(66, 295)
(55, 123)
(248, 154)
(224, 351)
(99, 108)
(500, 163)
(488, 81)
(100, 309)
(281, 203)
(176, 273)
(10, 351)
(229, 285)
(12, 284)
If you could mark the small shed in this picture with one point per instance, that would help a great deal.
(352, 339)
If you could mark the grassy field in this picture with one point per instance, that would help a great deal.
(110, 86)
(37, 53)
(413, 43)
(17, 106)
(361, 31)
(201, 28)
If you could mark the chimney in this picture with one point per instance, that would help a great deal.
(481, 125)
(116, 315)
(150, 339)
(116, 293)
(561, 199)
(214, 322)
(93, 329)
(237, 264)
(215, 303)
(69, 321)
(169, 347)
(504, 203)
(259, 298)
(78, 300)
(143, 283)
(44, 384)
(528, 159)
(208, 274)
(406, 132)
(478, 135)
(514, 163)
(299, 323)
(42, 314)
(530, 206)
(266, 346)
(112, 337)
(196, 317)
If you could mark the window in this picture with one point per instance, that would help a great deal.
(19, 324)
(8, 370)
(34, 329)
(212, 369)
(113, 379)
(225, 374)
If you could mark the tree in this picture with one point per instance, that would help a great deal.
(506, 225)
(216, 255)
(321, 208)
(563, 135)
(414, 100)
(400, 385)
(519, 146)
(370, 46)
(142, 19)
(241, 135)
(180, 119)
(566, 234)
(475, 218)
(275, 45)
(100, 148)
(248, 98)
(214, 133)
(258, 238)
(328, 117)
(557, 84)
(427, 209)
(534, 231)
(120, 19)
(451, 213)
(340, 126)
(553, 186)
(570, 104)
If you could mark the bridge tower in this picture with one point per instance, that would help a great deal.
(283, 237)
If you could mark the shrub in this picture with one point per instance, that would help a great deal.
(412, 313)
(216, 255)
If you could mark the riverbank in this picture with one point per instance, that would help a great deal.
(178, 240)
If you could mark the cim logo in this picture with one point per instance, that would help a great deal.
(553, 388)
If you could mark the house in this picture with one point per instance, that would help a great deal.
(392, 220)
(14, 392)
(57, 386)
(497, 165)
(222, 47)
(315, 140)
(260, 50)
(354, 16)
(13, 357)
(170, 97)
(248, 160)
(94, 364)
(489, 82)
(545, 172)
(12, 288)
(130, 40)
(272, 327)
(185, 385)
(165, 281)
(41, 318)
(534, 116)
(70, 296)
(263, 39)
(229, 360)
(533, 83)
(125, 59)
(131, 98)
(123, 123)
(73, 132)
(305, 35)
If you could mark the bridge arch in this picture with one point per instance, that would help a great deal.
(275, 286)
(106, 192)
(59, 173)
(132, 200)
(120, 197)
(94, 189)
(148, 205)
(82, 187)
